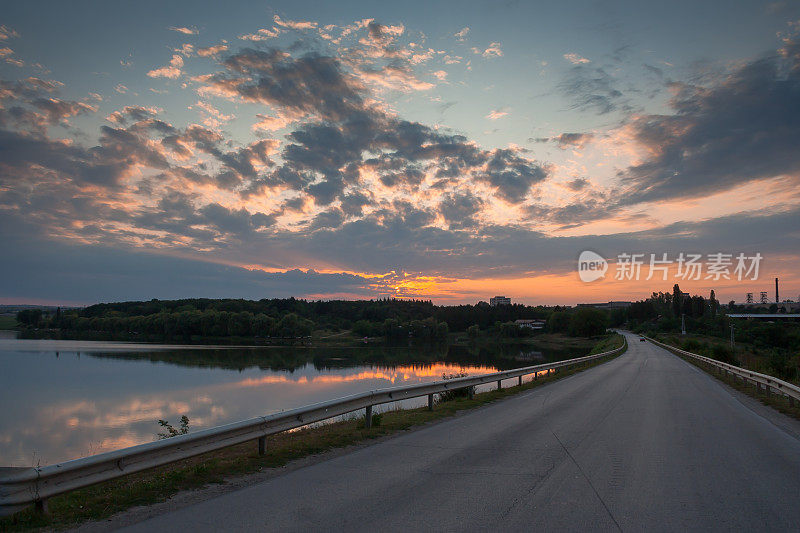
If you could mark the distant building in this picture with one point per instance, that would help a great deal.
(766, 316)
(530, 323)
(608, 305)
(499, 300)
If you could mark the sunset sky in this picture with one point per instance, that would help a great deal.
(448, 151)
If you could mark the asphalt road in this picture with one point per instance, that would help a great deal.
(644, 442)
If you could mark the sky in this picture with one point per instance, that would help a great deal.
(449, 151)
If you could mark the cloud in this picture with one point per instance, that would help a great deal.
(350, 184)
(462, 33)
(511, 175)
(496, 114)
(592, 89)
(294, 24)
(147, 183)
(573, 140)
(212, 50)
(261, 35)
(184, 30)
(132, 114)
(493, 50)
(353, 185)
(575, 59)
(57, 110)
(460, 209)
(214, 117)
(382, 60)
(82, 276)
(7, 33)
(31, 108)
(578, 184)
(172, 71)
(312, 84)
(740, 129)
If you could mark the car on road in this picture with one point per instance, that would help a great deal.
(641, 339)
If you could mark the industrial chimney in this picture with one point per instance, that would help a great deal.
(777, 300)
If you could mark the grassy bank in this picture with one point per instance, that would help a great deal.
(781, 363)
(779, 402)
(546, 342)
(103, 500)
(8, 322)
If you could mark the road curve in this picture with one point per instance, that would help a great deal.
(644, 442)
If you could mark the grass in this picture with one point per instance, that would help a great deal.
(777, 362)
(607, 344)
(8, 322)
(157, 485)
(776, 401)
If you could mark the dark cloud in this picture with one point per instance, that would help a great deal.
(82, 276)
(29, 105)
(312, 84)
(578, 183)
(340, 144)
(459, 210)
(577, 140)
(744, 128)
(512, 175)
(566, 140)
(57, 110)
(592, 89)
(342, 131)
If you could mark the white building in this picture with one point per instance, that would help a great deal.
(530, 323)
(499, 300)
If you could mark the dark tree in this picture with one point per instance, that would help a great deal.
(677, 301)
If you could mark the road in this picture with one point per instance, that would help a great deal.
(643, 442)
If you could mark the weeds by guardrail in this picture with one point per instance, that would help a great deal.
(769, 383)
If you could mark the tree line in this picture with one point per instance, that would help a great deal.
(293, 318)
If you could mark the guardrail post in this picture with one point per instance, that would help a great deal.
(535, 376)
(791, 401)
(40, 506)
(430, 402)
(368, 417)
(520, 381)
(471, 392)
(262, 445)
(499, 384)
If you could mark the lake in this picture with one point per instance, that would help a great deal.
(67, 399)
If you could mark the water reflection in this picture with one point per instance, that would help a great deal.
(62, 401)
(66, 399)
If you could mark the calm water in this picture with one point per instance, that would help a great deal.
(65, 399)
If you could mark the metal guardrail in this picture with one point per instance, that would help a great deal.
(769, 383)
(21, 487)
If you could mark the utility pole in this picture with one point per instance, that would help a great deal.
(683, 323)
(733, 345)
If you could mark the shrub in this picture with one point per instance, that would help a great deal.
(171, 431)
(455, 393)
